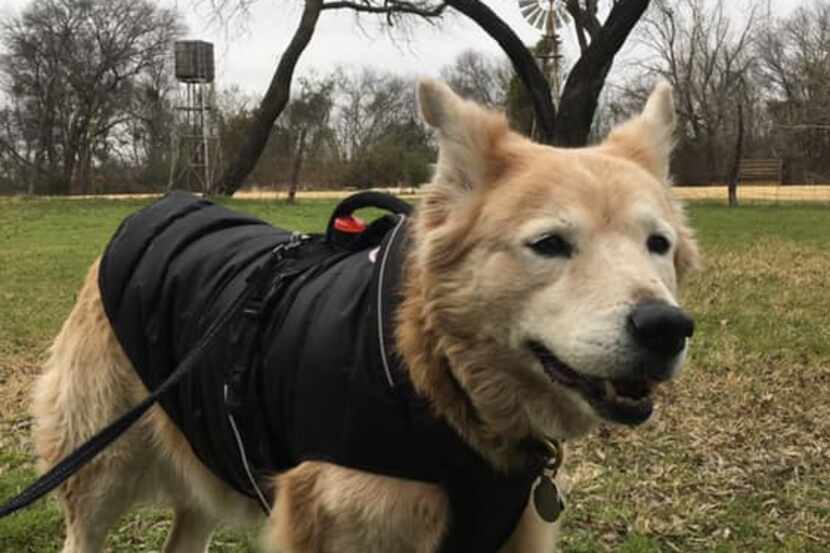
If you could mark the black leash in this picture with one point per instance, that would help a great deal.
(258, 284)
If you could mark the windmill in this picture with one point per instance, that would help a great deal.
(548, 16)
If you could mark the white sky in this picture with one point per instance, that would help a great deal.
(248, 56)
(247, 52)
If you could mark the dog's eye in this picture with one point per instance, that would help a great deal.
(659, 244)
(552, 245)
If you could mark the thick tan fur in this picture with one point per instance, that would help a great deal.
(472, 294)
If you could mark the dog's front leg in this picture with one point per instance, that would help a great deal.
(324, 508)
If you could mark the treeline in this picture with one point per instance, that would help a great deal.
(355, 128)
(85, 95)
(754, 88)
(89, 101)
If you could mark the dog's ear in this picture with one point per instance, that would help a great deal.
(470, 153)
(468, 136)
(648, 139)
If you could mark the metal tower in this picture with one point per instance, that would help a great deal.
(548, 17)
(195, 140)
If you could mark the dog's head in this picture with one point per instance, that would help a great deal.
(551, 274)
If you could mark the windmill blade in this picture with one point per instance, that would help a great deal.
(537, 13)
(541, 20)
(560, 19)
(529, 14)
(529, 10)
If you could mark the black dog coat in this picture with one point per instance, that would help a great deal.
(323, 382)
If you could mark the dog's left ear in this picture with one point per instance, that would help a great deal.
(648, 139)
(468, 134)
(471, 153)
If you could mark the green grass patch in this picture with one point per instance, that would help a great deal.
(47, 245)
(33, 530)
(719, 226)
(735, 460)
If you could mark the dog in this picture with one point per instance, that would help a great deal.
(538, 299)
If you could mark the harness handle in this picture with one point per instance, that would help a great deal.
(360, 200)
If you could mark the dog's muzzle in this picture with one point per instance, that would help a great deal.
(661, 331)
(625, 400)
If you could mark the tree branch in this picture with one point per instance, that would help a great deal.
(585, 19)
(389, 8)
(523, 61)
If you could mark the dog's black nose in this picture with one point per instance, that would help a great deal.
(660, 328)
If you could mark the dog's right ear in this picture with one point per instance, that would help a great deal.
(469, 140)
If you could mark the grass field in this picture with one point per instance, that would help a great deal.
(736, 459)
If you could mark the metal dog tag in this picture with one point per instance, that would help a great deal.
(547, 499)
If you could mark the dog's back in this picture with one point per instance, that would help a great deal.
(166, 275)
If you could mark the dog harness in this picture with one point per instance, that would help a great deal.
(310, 372)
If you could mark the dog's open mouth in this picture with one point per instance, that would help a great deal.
(625, 400)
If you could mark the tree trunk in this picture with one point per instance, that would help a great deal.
(272, 104)
(82, 174)
(523, 62)
(736, 163)
(68, 173)
(581, 94)
(297, 165)
(715, 171)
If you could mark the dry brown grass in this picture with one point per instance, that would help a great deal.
(758, 193)
(16, 376)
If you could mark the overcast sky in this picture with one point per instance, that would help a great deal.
(247, 51)
(248, 56)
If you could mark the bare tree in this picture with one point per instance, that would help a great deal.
(694, 45)
(368, 103)
(480, 77)
(19, 167)
(73, 66)
(381, 139)
(794, 70)
(734, 172)
(306, 124)
(149, 118)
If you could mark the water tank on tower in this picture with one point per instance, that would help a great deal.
(194, 61)
(196, 151)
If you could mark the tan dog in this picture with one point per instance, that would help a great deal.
(541, 280)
